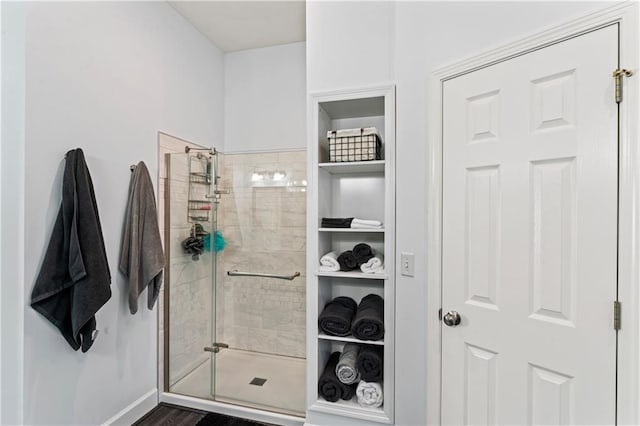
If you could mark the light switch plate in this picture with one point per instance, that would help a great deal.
(407, 264)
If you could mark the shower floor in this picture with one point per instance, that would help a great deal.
(283, 391)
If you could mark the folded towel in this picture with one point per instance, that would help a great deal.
(375, 265)
(141, 255)
(368, 323)
(365, 223)
(329, 262)
(347, 261)
(342, 133)
(362, 252)
(371, 363)
(336, 316)
(336, 222)
(74, 281)
(346, 370)
(369, 394)
(360, 226)
(329, 387)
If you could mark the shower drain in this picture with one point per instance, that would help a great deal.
(257, 381)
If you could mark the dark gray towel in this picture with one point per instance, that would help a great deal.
(347, 261)
(335, 318)
(362, 253)
(141, 255)
(329, 387)
(371, 363)
(368, 323)
(336, 222)
(74, 279)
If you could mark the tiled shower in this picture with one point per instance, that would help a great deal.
(253, 326)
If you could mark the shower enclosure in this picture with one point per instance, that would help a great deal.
(234, 301)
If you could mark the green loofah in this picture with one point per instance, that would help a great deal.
(219, 242)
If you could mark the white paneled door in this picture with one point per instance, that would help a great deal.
(530, 166)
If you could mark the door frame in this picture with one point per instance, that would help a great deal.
(627, 16)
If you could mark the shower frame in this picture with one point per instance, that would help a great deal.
(165, 395)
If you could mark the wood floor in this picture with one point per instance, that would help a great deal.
(171, 415)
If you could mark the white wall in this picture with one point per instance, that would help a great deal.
(265, 98)
(105, 77)
(349, 43)
(421, 37)
(12, 205)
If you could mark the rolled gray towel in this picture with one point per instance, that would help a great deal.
(346, 370)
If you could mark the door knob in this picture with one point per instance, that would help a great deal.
(451, 318)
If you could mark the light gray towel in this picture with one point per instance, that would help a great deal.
(346, 369)
(369, 394)
(141, 255)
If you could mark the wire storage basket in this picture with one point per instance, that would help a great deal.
(354, 145)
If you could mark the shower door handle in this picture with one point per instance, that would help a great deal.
(215, 347)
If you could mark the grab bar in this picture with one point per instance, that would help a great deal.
(236, 273)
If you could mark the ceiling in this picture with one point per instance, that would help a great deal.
(239, 25)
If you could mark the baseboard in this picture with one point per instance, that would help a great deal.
(135, 410)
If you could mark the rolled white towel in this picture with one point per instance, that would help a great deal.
(365, 223)
(369, 394)
(375, 265)
(329, 262)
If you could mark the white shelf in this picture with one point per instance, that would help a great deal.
(351, 408)
(354, 167)
(352, 274)
(348, 339)
(351, 230)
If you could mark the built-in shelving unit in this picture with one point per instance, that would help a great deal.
(365, 190)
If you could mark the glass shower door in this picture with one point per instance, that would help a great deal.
(190, 348)
(262, 317)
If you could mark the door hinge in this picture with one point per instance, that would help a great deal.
(617, 75)
(617, 315)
